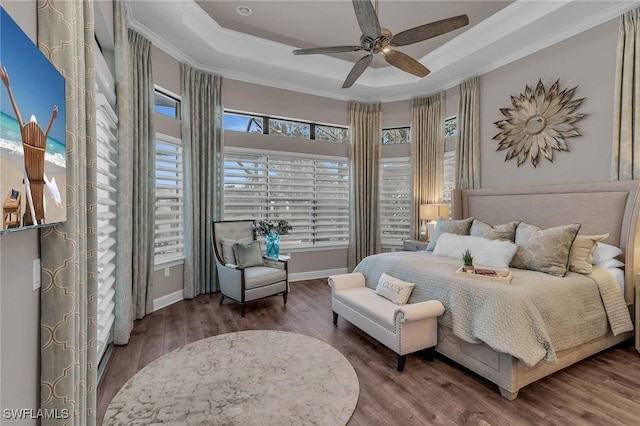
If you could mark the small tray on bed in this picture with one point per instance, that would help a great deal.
(502, 276)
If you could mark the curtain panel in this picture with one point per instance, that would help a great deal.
(468, 136)
(203, 146)
(427, 154)
(124, 232)
(625, 162)
(68, 311)
(365, 128)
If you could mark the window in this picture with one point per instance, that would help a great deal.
(107, 188)
(396, 136)
(169, 242)
(449, 176)
(310, 192)
(450, 127)
(395, 200)
(246, 123)
(166, 104)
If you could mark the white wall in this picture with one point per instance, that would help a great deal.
(19, 304)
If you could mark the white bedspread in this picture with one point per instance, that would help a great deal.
(530, 319)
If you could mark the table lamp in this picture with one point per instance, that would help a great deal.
(429, 214)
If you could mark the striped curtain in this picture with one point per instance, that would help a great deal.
(365, 129)
(625, 161)
(68, 298)
(427, 154)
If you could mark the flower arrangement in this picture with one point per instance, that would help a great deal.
(264, 227)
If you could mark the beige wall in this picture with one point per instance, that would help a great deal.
(19, 304)
(586, 60)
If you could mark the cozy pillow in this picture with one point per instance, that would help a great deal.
(458, 227)
(394, 289)
(506, 232)
(544, 250)
(488, 253)
(611, 263)
(581, 254)
(247, 255)
(605, 252)
(227, 248)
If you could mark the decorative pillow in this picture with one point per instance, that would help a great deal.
(581, 254)
(394, 289)
(605, 252)
(544, 250)
(458, 227)
(247, 255)
(227, 248)
(611, 263)
(506, 232)
(489, 253)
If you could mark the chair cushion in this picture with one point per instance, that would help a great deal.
(247, 255)
(227, 248)
(258, 276)
(368, 303)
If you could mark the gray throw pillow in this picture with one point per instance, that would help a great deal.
(227, 248)
(506, 232)
(457, 227)
(247, 255)
(544, 250)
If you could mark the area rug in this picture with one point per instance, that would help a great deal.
(258, 377)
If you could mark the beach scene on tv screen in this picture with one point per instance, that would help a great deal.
(32, 133)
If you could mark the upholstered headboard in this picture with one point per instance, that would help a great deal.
(601, 207)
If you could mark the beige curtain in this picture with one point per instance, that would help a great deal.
(468, 136)
(68, 311)
(124, 239)
(202, 140)
(625, 163)
(365, 129)
(427, 154)
(143, 195)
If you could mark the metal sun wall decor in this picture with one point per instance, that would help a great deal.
(539, 123)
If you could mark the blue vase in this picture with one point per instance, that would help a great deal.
(273, 245)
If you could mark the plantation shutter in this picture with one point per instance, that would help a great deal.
(395, 200)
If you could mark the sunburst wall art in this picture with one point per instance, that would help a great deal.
(539, 123)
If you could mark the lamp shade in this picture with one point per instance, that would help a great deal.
(433, 211)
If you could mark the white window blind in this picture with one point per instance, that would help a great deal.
(395, 200)
(107, 195)
(310, 192)
(169, 236)
(449, 176)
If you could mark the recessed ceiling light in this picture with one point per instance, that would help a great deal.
(243, 10)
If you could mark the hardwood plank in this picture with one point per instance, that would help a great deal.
(604, 389)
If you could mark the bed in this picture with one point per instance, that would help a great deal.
(607, 207)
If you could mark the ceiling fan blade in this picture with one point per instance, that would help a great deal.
(405, 63)
(332, 49)
(357, 70)
(367, 18)
(427, 31)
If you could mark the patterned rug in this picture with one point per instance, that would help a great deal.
(258, 377)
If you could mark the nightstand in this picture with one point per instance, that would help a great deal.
(414, 245)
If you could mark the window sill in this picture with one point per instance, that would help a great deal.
(168, 264)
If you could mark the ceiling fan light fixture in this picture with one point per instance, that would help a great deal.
(244, 10)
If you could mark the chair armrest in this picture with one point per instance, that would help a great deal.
(231, 265)
(344, 281)
(419, 311)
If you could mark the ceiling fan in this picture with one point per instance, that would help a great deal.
(376, 39)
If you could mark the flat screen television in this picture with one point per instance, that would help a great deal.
(33, 149)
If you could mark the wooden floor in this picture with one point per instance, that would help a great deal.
(602, 390)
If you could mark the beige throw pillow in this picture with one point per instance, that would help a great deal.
(247, 255)
(581, 254)
(506, 232)
(544, 250)
(394, 289)
(227, 248)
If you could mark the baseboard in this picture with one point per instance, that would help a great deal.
(311, 275)
(169, 299)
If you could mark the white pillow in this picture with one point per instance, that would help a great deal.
(605, 252)
(394, 289)
(611, 263)
(489, 253)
